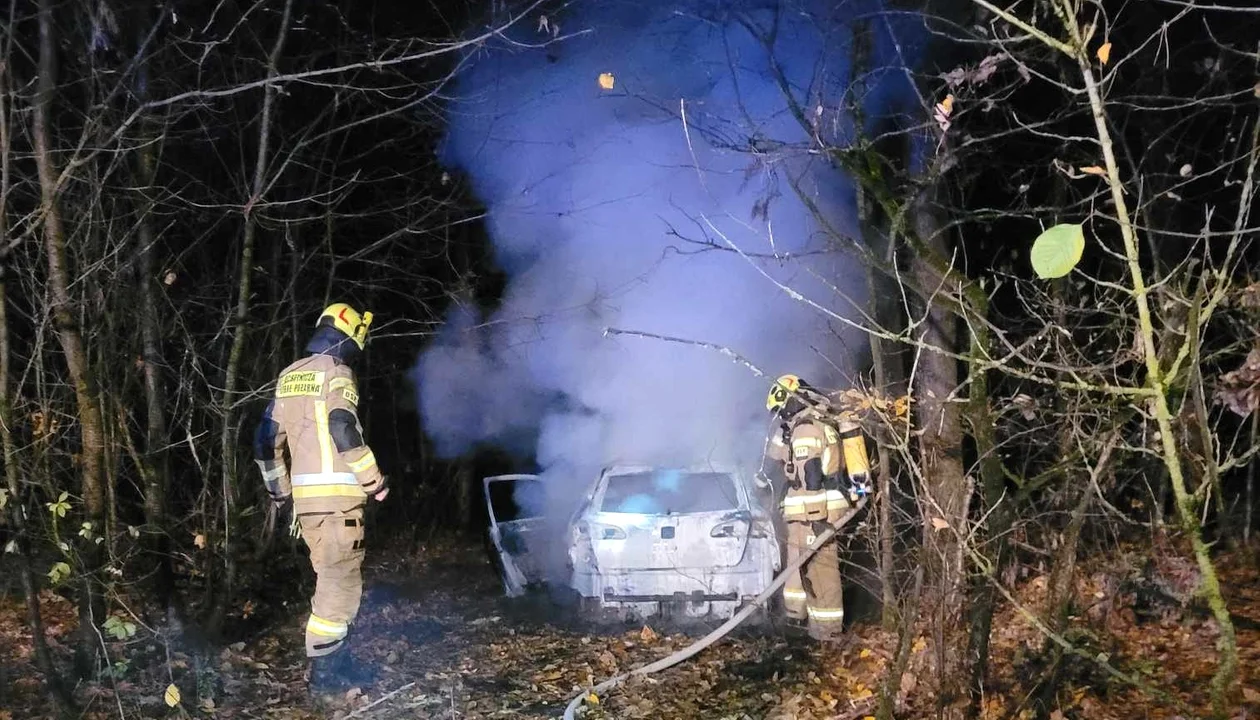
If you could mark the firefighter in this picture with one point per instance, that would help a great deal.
(324, 487)
(808, 444)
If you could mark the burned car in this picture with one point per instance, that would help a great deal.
(685, 543)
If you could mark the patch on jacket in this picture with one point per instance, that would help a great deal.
(347, 389)
(301, 382)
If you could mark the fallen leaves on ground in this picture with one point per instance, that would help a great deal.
(437, 619)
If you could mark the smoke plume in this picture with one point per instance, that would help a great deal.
(620, 208)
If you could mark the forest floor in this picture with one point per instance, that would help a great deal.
(449, 645)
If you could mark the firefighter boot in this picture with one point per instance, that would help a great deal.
(339, 672)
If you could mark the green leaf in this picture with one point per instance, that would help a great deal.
(1057, 250)
(119, 628)
(60, 507)
(59, 572)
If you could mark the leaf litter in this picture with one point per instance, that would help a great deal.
(448, 645)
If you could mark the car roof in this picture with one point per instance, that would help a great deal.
(627, 468)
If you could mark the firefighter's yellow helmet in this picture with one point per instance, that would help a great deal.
(781, 390)
(349, 321)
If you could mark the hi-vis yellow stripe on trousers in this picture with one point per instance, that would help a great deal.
(826, 614)
(317, 625)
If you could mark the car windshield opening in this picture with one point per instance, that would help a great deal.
(659, 492)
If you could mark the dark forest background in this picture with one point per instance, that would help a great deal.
(185, 185)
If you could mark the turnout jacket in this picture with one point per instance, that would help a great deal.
(314, 415)
(811, 451)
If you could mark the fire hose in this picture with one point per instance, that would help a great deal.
(570, 712)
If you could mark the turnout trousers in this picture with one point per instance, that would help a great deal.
(335, 540)
(814, 592)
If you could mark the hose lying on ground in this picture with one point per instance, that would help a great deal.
(739, 617)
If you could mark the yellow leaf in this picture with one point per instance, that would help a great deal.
(866, 652)
(920, 643)
(592, 698)
(1104, 53)
(939, 523)
(606, 80)
(199, 540)
(946, 106)
(172, 695)
(1093, 170)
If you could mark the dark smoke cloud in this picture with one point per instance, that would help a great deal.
(585, 190)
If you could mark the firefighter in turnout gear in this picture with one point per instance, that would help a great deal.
(325, 485)
(808, 445)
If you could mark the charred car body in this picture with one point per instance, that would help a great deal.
(686, 543)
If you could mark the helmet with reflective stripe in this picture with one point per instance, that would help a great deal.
(781, 390)
(347, 320)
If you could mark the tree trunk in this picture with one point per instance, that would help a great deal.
(946, 493)
(883, 480)
(883, 477)
(1062, 576)
(1223, 682)
(463, 496)
(230, 430)
(156, 466)
(91, 603)
(1251, 483)
(999, 508)
(890, 691)
(16, 500)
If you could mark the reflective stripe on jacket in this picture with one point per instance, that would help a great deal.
(819, 451)
(313, 411)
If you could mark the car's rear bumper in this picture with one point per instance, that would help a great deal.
(686, 592)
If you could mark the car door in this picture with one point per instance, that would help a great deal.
(515, 531)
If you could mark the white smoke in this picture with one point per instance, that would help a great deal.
(583, 186)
